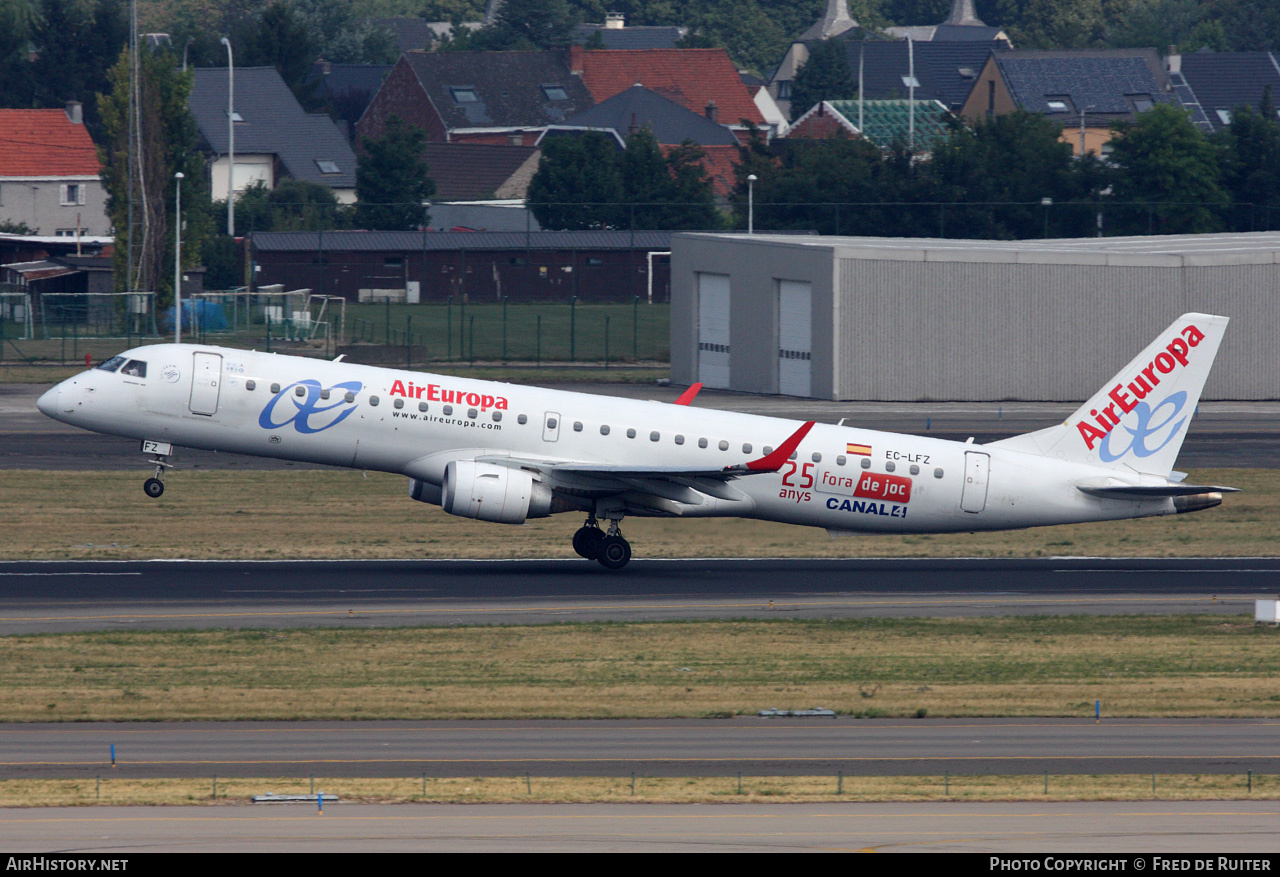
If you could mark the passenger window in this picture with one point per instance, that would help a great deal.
(654, 436)
(724, 446)
(552, 423)
(422, 406)
(135, 369)
(471, 412)
(522, 419)
(767, 450)
(702, 443)
(604, 429)
(746, 449)
(399, 403)
(631, 433)
(914, 470)
(817, 458)
(275, 388)
(250, 384)
(324, 394)
(349, 397)
(840, 460)
(865, 464)
(679, 439)
(890, 466)
(497, 415)
(448, 409)
(373, 401)
(793, 455)
(937, 473)
(299, 391)
(577, 427)
(111, 364)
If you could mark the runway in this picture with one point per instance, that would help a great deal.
(49, 597)
(649, 748)
(1233, 828)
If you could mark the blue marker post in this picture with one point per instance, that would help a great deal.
(320, 804)
(113, 755)
(1097, 711)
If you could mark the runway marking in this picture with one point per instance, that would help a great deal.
(64, 574)
(643, 760)
(633, 607)
(568, 726)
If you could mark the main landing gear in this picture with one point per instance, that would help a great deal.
(160, 451)
(610, 549)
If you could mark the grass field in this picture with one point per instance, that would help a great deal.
(342, 514)
(646, 790)
(1017, 666)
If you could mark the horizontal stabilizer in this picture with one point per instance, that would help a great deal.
(1154, 491)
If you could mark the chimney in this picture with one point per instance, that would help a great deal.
(575, 59)
(713, 112)
(634, 126)
(75, 112)
(615, 20)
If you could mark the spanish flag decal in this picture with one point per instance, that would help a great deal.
(860, 450)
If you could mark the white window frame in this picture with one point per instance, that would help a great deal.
(64, 194)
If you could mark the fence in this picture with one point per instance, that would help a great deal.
(67, 327)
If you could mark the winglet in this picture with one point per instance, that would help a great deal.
(773, 462)
(686, 398)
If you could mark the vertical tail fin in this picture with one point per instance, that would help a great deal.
(1138, 419)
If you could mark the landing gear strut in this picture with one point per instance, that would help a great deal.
(154, 486)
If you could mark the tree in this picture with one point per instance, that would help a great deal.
(392, 181)
(1251, 169)
(1163, 161)
(692, 195)
(825, 76)
(279, 38)
(167, 145)
(578, 183)
(77, 43)
(1051, 24)
(529, 24)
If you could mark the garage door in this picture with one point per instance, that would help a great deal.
(795, 338)
(713, 330)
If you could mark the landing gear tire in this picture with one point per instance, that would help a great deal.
(614, 552)
(586, 541)
(153, 487)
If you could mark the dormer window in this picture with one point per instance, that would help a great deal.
(464, 94)
(1058, 103)
(555, 92)
(328, 167)
(1141, 102)
(1057, 106)
(910, 82)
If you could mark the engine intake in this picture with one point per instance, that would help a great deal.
(493, 493)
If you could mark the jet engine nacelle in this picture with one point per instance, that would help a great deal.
(493, 493)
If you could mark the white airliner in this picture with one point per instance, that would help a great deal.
(507, 453)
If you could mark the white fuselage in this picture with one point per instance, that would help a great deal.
(413, 423)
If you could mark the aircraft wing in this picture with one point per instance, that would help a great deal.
(664, 490)
(1153, 491)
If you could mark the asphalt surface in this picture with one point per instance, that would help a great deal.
(51, 597)
(1223, 434)
(685, 747)
(1242, 830)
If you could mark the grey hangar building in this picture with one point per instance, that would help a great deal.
(916, 319)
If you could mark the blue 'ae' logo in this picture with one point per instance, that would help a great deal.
(1143, 428)
(309, 416)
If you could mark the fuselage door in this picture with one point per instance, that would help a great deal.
(977, 468)
(206, 376)
(551, 427)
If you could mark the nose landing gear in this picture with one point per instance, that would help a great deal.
(160, 451)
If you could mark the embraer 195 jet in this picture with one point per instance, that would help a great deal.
(507, 453)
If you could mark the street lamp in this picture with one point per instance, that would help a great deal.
(751, 203)
(177, 258)
(231, 140)
(1046, 203)
(1083, 110)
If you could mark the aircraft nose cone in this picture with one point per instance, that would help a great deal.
(48, 403)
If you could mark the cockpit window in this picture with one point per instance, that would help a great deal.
(136, 368)
(112, 364)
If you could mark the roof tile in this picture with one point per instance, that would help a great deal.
(44, 143)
